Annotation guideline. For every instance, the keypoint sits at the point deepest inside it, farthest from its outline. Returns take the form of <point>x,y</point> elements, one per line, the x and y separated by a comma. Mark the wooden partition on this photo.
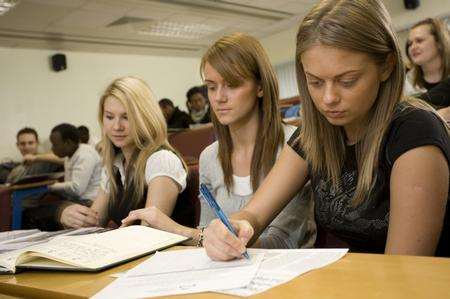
<point>191,142</point>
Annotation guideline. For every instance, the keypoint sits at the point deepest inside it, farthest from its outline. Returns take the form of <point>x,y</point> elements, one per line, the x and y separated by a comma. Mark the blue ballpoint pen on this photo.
<point>218,211</point>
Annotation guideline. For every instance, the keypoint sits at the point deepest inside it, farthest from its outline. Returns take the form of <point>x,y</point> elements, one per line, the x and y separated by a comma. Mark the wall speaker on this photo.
<point>59,62</point>
<point>411,4</point>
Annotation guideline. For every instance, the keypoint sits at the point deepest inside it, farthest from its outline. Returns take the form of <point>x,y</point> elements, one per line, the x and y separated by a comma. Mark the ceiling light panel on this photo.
<point>177,29</point>
<point>7,5</point>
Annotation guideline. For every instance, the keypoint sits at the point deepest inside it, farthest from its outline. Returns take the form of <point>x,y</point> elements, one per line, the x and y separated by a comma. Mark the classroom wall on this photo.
<point>31,94</point>
<point>281,46</point>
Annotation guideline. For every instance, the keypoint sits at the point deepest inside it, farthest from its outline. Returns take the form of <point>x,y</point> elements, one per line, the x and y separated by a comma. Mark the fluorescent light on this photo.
<point>7,5</point>
<point>178,30</point>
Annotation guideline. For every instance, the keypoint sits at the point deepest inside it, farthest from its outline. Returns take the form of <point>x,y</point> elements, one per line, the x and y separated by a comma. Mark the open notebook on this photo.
<point>92,252</point>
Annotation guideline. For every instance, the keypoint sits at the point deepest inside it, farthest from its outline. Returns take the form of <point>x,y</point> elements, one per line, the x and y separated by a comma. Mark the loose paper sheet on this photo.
<point>182,272</point>
<point>280,266</point>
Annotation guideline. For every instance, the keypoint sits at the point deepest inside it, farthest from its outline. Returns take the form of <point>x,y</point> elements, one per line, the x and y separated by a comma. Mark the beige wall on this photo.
<point>281,46</point>
<point>31,94</point>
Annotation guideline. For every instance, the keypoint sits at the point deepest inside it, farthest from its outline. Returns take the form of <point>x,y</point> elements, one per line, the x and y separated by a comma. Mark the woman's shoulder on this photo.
<point>413,127</point>
<point>408,114</point>
<point>210,152</point>
<point>163,156</point>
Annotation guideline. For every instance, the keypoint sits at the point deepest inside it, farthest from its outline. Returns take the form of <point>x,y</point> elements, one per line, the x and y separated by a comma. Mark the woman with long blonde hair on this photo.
<point>378,164</point>
<point>140,167</point>
<point>243,93</point>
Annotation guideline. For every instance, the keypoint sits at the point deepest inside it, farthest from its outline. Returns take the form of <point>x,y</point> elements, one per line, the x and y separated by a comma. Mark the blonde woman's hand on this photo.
<point>151,216</point>
<point>221,245</point>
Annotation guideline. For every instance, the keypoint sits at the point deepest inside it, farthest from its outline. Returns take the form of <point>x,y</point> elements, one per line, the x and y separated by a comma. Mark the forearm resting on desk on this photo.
<point>154,217</point>
<point>47,157</point>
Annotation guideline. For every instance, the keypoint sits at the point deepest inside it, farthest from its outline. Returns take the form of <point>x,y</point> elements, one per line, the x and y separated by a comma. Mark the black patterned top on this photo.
<point>365,226</point>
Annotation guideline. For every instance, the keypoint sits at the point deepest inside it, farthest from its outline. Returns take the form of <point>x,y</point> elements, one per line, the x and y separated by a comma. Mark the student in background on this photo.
<point>243,93</point>
<point>140,167</point>
<point>82,165</point>
<point>175,118</point>
<point>428,49</point>
<point>378,164</point>
<point>28,143</point>
<point>82,170</point>
<point>87,138</point>
<point>429,53</point>
<point>198,105</point>
<point>83,132</point>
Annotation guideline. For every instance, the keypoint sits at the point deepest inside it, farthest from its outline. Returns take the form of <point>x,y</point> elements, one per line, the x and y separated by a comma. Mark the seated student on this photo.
<point>175,118</point>
<point>378,164</point>
<point>428,49</point>
<point>243,91</point>
<point>82,164</point>
<point>27,143</point>
<point>82,171</point>
<point>85,136</point>
<point>198,105</point>
<point>140,167</point>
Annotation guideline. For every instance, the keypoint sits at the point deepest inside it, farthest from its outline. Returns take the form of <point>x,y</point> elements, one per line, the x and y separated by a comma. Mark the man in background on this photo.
<point>82,172</point>
<point>83,133</point>
<point>198,105</point>
<point>175,118</point>
<point>28,143</point>
<point>82,164</point>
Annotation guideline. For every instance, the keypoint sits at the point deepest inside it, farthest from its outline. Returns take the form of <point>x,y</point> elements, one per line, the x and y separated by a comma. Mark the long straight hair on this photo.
<point>148,130</point>
<point>438,29</point>
<point>363,26</point>
<point>238,57</point>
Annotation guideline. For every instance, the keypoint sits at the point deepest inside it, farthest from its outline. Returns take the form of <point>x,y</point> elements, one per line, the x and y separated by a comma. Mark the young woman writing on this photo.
<point>378,164</point>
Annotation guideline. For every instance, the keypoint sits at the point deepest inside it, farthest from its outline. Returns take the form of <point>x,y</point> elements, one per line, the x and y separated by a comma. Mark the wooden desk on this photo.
<point>354,276</point>
<point>32,185</point>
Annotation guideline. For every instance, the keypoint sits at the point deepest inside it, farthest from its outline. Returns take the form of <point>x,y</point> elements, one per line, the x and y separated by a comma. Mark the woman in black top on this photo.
<point>378,164</point>
<point>428,49</point>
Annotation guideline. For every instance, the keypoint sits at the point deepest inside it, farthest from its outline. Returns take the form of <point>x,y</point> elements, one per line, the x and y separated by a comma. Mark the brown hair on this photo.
<point>238,57</point>
<point>440,32</point>
<point>357,25</point>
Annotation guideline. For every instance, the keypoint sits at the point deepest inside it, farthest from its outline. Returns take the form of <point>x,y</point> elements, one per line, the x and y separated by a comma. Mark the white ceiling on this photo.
<point>86,25</point>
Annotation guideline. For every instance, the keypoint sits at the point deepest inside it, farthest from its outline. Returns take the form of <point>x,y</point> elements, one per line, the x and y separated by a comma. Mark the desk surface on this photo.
<point>354,276</point>
<point>32,185</point>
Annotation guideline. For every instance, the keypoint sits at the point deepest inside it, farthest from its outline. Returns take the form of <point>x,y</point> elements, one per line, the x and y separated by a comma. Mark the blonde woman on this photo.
<point>243,93</point>
<point>378,165</point>
<point>140,167</point>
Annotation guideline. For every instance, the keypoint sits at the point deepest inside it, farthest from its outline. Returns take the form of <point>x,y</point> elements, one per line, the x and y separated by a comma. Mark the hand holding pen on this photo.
<point>220,236</point>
